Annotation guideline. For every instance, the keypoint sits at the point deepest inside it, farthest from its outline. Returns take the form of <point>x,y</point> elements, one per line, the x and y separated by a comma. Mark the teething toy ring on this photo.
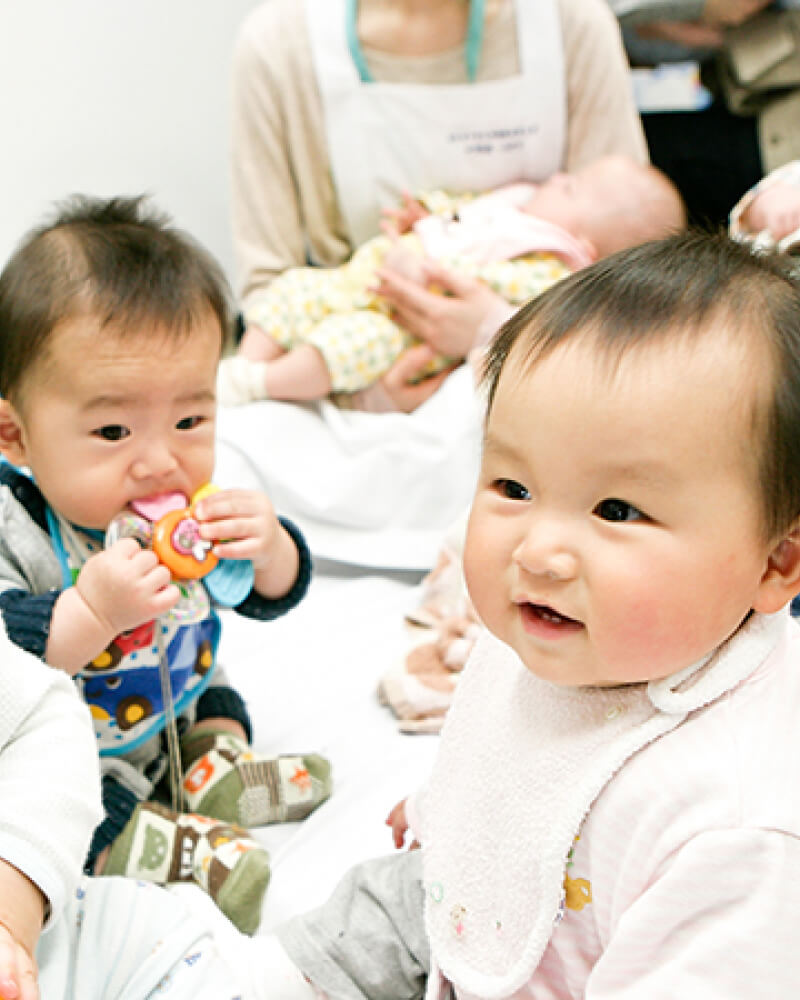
<point>178,545</point>
<point>174,537</point>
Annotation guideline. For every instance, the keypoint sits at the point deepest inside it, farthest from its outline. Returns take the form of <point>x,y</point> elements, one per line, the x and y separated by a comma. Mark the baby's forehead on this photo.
<point>611,354</point>
<point>139,328</point>
<point>611,169</point>
<point>90,337</point>
<point>674,383</point>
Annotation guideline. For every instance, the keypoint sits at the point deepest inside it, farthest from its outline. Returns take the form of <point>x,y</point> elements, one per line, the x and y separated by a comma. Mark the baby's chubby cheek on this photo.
<point>656,638</point>
<point>643,638</point>
<point>476,563</point>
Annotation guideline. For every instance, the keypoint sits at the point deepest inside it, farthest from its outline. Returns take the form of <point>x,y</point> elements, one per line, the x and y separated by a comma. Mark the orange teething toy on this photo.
<point>178,545</point>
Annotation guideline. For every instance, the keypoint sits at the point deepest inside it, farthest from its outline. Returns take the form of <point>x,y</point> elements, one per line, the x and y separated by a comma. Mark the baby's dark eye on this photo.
<point>511,489</point>
<point>112,432</point>
<point>617,510</point>
<point>189,423</point>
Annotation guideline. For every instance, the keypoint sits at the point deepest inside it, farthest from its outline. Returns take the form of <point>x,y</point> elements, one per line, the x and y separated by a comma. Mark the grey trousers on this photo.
<point>368,941</point>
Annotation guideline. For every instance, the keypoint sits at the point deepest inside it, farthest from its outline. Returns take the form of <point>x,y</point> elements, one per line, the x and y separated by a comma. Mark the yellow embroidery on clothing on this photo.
<point>577,892</point>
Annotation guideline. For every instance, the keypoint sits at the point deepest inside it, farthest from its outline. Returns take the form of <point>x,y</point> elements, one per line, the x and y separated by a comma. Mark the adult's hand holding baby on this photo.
<point>400,218</point>
<point>405,384</point>
<point>451,323</point>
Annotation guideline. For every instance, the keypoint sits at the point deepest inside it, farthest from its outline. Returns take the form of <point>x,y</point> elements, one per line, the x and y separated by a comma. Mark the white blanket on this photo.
<point>368,489</point>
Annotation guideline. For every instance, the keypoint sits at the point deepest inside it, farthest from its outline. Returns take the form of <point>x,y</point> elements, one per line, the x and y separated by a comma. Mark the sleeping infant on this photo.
<point>326,330</point>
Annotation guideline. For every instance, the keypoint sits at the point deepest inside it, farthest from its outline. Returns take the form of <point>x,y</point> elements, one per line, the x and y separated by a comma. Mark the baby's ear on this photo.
<point>781,579</point>
<point>11,443</point>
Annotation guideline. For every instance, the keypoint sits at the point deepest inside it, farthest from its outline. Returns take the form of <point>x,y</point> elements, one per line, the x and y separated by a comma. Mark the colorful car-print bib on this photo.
<point>122,686</point>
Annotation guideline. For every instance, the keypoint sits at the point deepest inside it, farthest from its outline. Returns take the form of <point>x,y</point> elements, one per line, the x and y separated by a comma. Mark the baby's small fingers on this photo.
<point>231,503</point>
<point>125,548</point>
<point>144,561</point>
<point>240,548</point>
<point>164,598</point>
<point>225,529</point>
<point>156,577</point>
<point>258,522</point>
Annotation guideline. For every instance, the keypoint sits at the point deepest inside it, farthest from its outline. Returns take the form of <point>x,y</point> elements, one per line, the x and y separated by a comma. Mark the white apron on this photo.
<point>384,138</point>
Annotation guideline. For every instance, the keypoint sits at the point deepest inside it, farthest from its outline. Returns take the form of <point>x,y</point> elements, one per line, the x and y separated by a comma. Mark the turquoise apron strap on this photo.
<point>473,46</point>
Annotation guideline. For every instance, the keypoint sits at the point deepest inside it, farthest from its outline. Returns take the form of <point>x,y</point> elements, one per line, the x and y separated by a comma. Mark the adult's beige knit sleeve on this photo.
<point>284,202</point>
<point>601,114</point>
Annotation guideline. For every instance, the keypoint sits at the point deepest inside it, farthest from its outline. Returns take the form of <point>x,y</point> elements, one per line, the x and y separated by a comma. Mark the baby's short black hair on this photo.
<point>119,260</point>
<point>673,288</point>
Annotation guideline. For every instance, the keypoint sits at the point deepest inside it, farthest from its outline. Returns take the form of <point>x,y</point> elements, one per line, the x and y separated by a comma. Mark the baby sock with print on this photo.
<point>225,779</point>
<point>162,846</point>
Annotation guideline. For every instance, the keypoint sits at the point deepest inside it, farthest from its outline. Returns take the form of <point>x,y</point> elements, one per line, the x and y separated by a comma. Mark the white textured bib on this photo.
<point>520,763</point>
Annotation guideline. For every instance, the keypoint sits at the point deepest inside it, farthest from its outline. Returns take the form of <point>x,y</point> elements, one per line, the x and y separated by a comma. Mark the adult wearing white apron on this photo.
<point>385,138</point>
<point>546,86</point>
<point>328,129</point>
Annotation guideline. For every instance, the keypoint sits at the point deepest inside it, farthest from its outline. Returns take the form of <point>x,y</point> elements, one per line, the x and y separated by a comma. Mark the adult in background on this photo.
<point>340,106</point>
<point>715,154</point>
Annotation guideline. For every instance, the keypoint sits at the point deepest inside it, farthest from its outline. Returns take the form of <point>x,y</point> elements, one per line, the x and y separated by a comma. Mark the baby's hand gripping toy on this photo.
<point>167,525</point>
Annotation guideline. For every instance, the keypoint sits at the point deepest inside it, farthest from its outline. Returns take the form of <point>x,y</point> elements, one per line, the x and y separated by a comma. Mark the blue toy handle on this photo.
<point>230,581</point>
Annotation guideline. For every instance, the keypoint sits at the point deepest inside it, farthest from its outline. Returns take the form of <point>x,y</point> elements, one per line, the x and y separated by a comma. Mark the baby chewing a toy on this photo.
<point>167,525</point>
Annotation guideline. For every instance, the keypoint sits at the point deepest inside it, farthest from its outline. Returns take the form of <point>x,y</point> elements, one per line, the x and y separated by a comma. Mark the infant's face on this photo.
<point>108,419</point>
<point>576,201</point>
<point>615,533</point>
<point>776,209</point>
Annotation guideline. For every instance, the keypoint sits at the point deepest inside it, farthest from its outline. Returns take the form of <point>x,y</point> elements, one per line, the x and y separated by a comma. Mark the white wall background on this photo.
<point>117,97</point>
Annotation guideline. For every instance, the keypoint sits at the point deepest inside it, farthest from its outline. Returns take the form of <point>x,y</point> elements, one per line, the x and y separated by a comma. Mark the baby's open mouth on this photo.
<point>542,617</point>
